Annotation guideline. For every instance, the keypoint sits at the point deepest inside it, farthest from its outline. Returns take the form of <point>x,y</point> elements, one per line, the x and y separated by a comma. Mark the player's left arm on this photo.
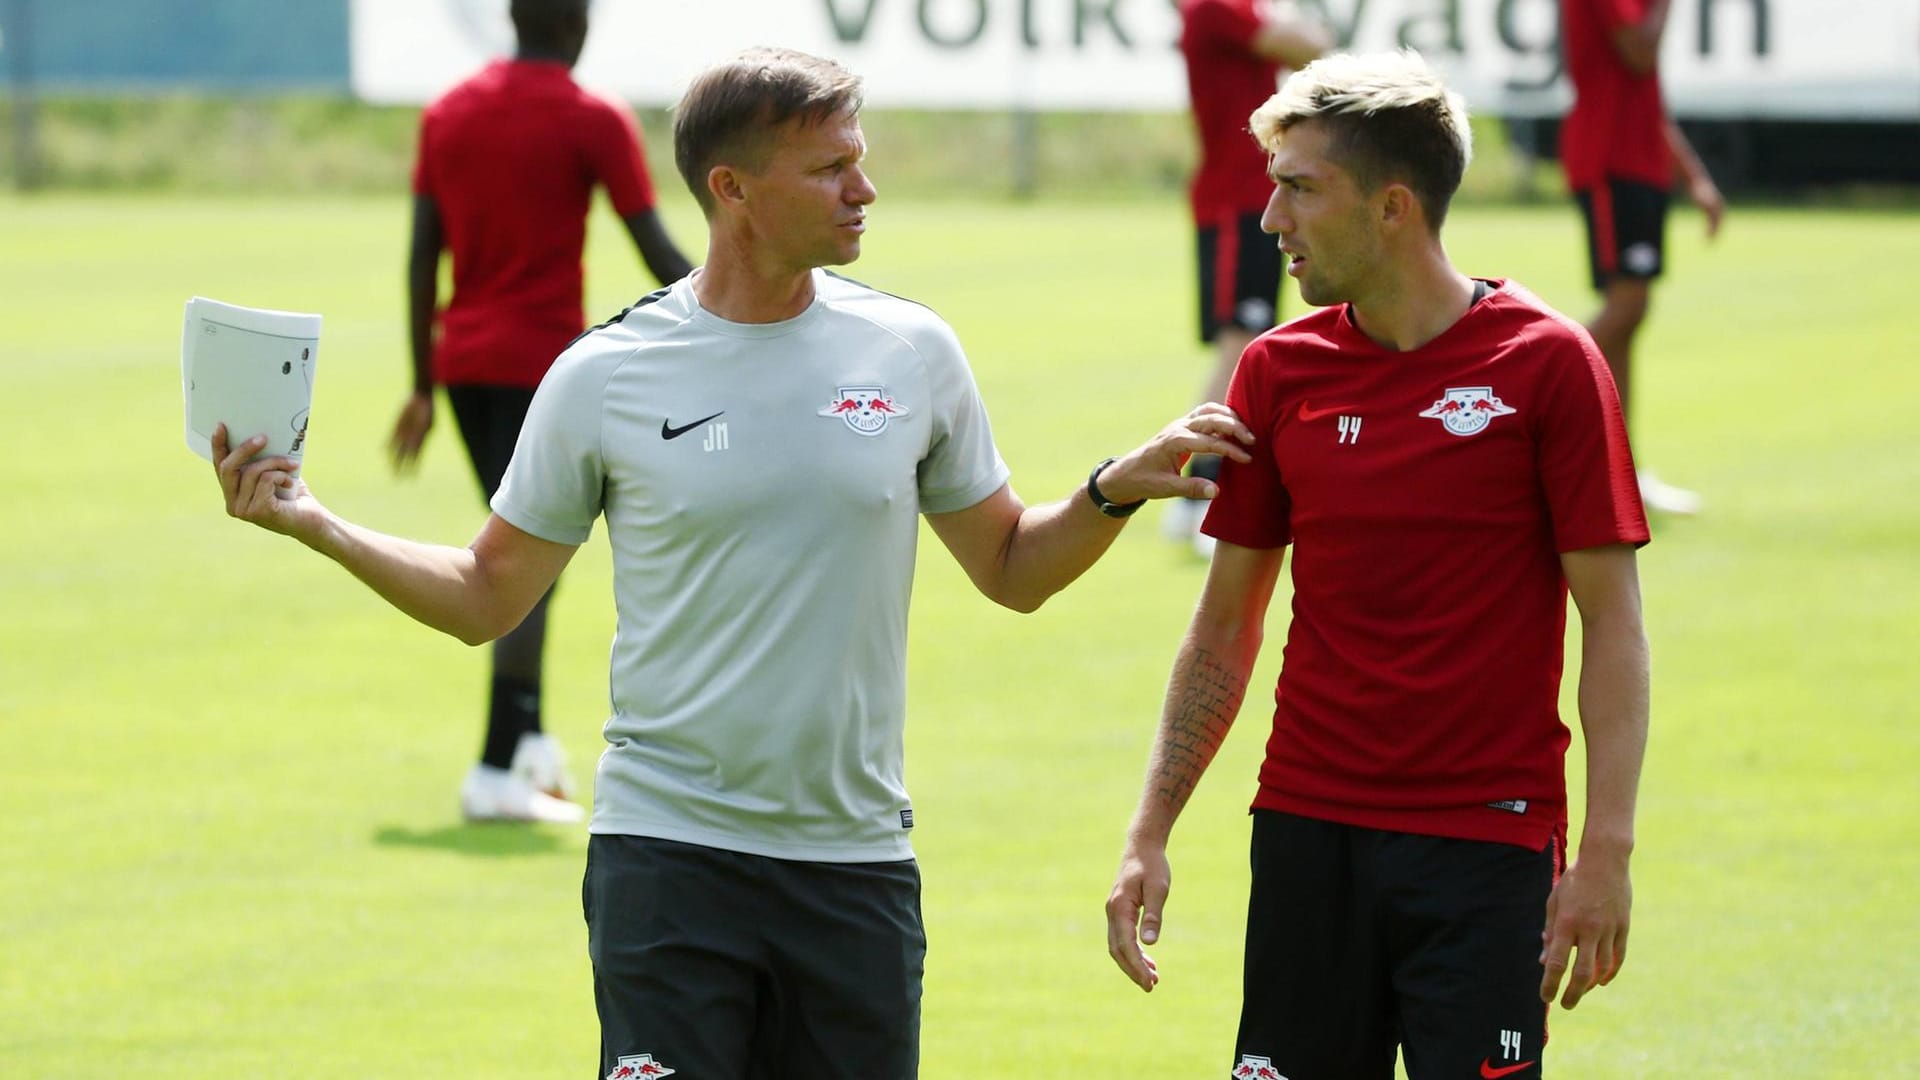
<point>1589,909</point>
<point>1289,36</point>
<point>1019,555</point>
<point>429,239</point>
<point>1699,182</point>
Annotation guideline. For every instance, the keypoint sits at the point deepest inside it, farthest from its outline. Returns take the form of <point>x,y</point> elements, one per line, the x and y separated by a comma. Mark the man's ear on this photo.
<point>1399,207</point>
<point>723,183</point>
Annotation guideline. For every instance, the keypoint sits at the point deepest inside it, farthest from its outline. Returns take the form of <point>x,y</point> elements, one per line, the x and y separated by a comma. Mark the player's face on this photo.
<point>809,205</point>
<point>1325,223</point>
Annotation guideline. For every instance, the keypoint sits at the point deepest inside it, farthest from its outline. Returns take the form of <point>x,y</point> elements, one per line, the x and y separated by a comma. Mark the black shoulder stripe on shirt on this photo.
<point>653,297</point>
<point>882,292</point>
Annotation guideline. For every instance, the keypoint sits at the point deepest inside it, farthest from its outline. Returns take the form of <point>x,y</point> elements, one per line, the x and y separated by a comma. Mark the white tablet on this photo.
<point>250,369</point>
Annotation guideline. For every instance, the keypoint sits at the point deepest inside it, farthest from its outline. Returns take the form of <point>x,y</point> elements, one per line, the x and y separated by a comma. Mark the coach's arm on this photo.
<point>1019,555</point>
<point>475,593</point>
<point>1590,908</point>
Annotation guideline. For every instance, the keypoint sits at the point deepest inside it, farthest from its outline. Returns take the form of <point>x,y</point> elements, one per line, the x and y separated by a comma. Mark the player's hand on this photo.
<point>1707,197</point>
<point>410,431</point>
<point>265,491</point>
<point>1133,911</point>
<point>1153,470</point>
<point>1587,913</point>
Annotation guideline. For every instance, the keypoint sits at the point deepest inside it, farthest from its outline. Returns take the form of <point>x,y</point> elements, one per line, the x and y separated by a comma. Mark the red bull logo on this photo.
<point>1256,1068</point>
<point>639,1067</point>
<point>1467,410</point>
<point>866,409</point>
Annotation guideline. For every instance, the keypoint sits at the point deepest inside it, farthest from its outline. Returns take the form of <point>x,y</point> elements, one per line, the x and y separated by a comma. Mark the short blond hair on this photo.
<point>1390,116</point>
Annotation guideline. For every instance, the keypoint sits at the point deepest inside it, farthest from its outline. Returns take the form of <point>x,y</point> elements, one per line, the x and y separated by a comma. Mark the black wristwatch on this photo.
<point>1111,509</point>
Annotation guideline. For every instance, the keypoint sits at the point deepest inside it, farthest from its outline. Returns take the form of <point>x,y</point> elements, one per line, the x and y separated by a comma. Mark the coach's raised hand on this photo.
<point>265,491</point>
<point>1152,471</point>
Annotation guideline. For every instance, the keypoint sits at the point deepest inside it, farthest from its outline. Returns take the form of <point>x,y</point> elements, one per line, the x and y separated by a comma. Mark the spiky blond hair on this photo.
<point>1390,117</point>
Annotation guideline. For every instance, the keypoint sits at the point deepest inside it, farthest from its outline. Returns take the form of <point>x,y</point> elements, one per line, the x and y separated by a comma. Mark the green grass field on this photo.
<point>227,772</point>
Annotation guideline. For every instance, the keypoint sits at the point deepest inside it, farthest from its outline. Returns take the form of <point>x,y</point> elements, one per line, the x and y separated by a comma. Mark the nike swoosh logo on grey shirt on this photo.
<point>668,431</point>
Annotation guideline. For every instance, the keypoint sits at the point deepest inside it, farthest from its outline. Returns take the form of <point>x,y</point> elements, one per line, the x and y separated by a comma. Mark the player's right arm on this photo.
<point>1209,682</point>
<point>657,249</point>
<point>475,593</point>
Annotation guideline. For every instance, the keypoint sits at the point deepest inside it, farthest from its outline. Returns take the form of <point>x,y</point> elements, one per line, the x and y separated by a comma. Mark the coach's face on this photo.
<point>808,206</point>
<point>1325,223</point>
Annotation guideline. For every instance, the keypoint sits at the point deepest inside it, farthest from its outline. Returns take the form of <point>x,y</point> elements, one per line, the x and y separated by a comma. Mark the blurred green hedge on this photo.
<point>293,144</point>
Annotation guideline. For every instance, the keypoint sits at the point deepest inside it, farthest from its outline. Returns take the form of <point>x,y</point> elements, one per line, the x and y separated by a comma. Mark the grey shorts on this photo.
<point>717,964</point>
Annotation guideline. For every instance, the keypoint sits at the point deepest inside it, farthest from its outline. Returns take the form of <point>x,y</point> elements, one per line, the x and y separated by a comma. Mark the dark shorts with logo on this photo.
<point>1362,942</point>
<point>490,418</point>
<point>1626,230</point>
<point>740,967</point>
<point>1239,276</point>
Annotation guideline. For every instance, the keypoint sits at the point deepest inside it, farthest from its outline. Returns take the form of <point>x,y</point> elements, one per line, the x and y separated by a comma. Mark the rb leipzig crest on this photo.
<point>1467,410</point>
<point>1256,1068</point>
<point>639,1067</point>
<point>866,409</point>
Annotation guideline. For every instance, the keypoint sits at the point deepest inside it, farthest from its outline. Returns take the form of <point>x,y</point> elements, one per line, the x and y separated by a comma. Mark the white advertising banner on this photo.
<point>1824,59</point>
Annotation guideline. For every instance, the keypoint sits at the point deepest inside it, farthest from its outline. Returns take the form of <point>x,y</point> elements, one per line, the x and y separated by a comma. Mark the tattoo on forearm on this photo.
<point>1206,695</point>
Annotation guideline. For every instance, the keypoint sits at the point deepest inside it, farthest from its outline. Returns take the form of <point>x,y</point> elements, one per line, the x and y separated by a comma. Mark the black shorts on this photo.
<point>1239,276</point>
<point>1626,230</point>
<point>490,418</point>
<point>1361,942</point>
<point>722,965</point>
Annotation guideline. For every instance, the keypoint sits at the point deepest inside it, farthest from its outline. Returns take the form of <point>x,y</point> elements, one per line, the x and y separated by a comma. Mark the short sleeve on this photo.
<point>619,161</point>
<point>1218,24</point>
<point>554,486</point>
<point>1253,508</point>
<point>1614,14</point>
<point>962,465</point>
<point>422,174</point>
<point>1585,463</point>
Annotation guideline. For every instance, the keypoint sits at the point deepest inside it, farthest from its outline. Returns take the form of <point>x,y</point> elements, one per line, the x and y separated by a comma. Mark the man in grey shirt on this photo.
<point>761,438</point>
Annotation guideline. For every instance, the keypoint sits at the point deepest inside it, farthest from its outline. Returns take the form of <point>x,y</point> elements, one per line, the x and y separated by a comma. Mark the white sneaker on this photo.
<point>540,760</point>
<point>490,794</point>
<point>1180,522</point>
<point>1664,498</point>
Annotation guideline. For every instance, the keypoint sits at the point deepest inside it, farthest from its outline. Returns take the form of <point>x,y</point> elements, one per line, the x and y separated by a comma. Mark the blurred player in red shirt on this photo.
<point>1235,52</point>
<point>505,175</point>
<point>1620,150</point>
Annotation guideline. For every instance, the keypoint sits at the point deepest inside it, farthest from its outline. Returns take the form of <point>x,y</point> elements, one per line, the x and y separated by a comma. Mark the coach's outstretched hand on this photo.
<point>1152,471</point>
<point>254,489</point>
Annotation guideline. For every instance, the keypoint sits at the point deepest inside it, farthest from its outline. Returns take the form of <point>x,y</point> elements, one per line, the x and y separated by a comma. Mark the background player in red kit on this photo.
<point>1235,51</point>
<point>1448,459</point>
<point>505,176</point>
<point>1620,150</point>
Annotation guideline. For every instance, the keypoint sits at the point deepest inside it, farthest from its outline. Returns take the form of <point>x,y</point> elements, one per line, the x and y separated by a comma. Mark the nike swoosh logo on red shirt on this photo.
<point>1490,1073</point>
<point>1315,414</point>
